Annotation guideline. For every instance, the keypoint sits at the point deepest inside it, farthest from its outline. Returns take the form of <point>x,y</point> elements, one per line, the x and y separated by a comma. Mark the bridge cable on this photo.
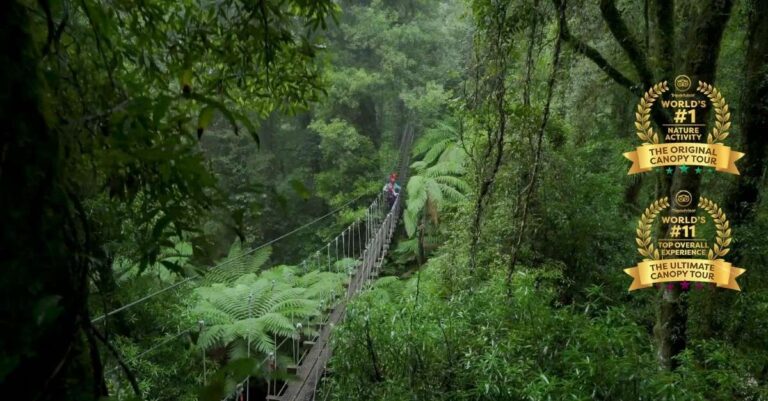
<point>228,261</point>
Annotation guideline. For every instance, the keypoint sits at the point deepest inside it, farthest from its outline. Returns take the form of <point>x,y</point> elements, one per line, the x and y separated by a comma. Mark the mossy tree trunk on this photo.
<point>700,60</point>
<point>45,342</point>
<point>754,116</point>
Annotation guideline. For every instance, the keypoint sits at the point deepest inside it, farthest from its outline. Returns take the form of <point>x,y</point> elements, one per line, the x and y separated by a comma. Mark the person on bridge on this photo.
<point>392,189</point>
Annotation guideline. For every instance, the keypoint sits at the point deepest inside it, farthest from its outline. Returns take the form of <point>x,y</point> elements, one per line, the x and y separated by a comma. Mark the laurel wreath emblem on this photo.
<point>722,113</point>
<point>723,235</point>
<point>649,136</point>
<point>644,225</point>
<point>643,114</point>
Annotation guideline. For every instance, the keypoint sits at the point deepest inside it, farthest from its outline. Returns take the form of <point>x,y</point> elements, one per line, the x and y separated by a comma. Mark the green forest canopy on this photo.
<point>147,141</point>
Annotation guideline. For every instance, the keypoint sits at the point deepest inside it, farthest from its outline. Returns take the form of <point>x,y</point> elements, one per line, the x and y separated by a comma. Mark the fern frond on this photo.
<point>237,263</point>
<point>386,281</point>
<point>276,323</point>
<point>417,194</point>
<point>437,150</point>
<point>410,218</point>
<point>283,273</point>
<point>453,182</point>
<point>452,194</point>
<point>453,154</point>
<point>434,191</point>
<point>406,247</point>
<point>343,265</point>
<point>211,315</point>
<point>262,306</point>
<point>430,138</point>
<point>447,168</point>
<point>419,166</point>
<point>309,278</point>
<point>297,308</point>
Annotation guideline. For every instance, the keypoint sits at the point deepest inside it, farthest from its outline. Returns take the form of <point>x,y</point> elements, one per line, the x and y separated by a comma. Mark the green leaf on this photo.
<point>300,189</point>
<point>185,81</point>
<point>410,218</point>
<point>162,104</point>
<point>205,118</point>
<point>161,224</point>
<point>231,116</point>
<point>172,266</point>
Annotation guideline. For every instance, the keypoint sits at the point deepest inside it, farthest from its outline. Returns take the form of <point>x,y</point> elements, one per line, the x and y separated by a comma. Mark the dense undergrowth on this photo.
<point>176,175</point>
<point>406,340</point>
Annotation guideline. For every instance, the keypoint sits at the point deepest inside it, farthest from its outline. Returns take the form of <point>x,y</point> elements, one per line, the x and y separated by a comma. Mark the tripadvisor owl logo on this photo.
<point>690,248</point>
<point>684,138</point>
<point>682,83</point>
<point>683,198</point>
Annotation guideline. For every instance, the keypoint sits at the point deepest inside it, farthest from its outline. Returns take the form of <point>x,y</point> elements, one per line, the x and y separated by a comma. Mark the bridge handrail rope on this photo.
<point>373,257</point>
<point>380,232</point>
<point>371,260</point>
<point>154,347</point>
<point>372,220</point>
<point>380,223</point>
<point>201,324</point>
<point>226,262</point>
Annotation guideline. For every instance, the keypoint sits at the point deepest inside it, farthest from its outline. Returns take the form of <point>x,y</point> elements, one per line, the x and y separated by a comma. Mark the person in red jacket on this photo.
<point>392,189</point>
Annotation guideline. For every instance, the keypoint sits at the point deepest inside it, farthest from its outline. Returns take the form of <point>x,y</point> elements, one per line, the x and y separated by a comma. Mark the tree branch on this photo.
<point>529,55</point>
<point>500,51</point>
<point>665,34</point>
<point>591,53</point>
<point>372,352</point>
<point>619,29</point>
<point>530,188</point>
<point>128,374</point>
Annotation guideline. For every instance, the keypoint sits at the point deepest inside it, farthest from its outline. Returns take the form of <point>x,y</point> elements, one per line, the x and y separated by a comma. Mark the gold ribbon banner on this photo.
<point>720,272</point>
<point>716,155</point>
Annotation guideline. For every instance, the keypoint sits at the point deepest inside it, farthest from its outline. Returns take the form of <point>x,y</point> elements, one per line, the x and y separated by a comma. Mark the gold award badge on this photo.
<point>683,136</point>
<point>678,254</point>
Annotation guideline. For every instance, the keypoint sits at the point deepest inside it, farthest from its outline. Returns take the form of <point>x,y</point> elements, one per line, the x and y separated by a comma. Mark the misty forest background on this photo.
<point>144,142</point>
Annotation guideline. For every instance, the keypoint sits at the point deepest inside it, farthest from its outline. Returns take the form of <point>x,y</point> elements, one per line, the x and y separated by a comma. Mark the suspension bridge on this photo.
<point>367,242</point>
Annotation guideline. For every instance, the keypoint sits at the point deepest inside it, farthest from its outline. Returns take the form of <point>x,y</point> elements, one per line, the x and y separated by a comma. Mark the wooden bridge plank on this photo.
<point>308,373</point>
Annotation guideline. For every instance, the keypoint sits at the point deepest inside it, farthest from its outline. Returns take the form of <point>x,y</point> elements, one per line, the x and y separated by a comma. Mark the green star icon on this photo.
<point>711,170</point>
<point>698,170</point>
<point>670,170</point>
<point>684,169</point>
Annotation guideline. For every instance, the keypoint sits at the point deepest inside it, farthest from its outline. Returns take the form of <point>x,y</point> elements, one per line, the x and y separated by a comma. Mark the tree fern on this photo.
<point>261,307</point>
<point>439,133</point>
<point>171,262</point>
<point>238,262</point>
<point>437,181</point>
<point>455,183</point>
<point>387,289</point>
<point>281,273</point>
<point>436,186</point>
<point>345,265</point>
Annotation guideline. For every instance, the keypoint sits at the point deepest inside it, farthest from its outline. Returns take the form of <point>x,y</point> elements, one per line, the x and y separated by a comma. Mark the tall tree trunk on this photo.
<point>44,352</point>
<point>421,253</point>
<point>665,36</point>
<point>495,147</point>
<point>529,54</point>
<point>700,62</point>
<point>530,188</point>
<point>754,117</point>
